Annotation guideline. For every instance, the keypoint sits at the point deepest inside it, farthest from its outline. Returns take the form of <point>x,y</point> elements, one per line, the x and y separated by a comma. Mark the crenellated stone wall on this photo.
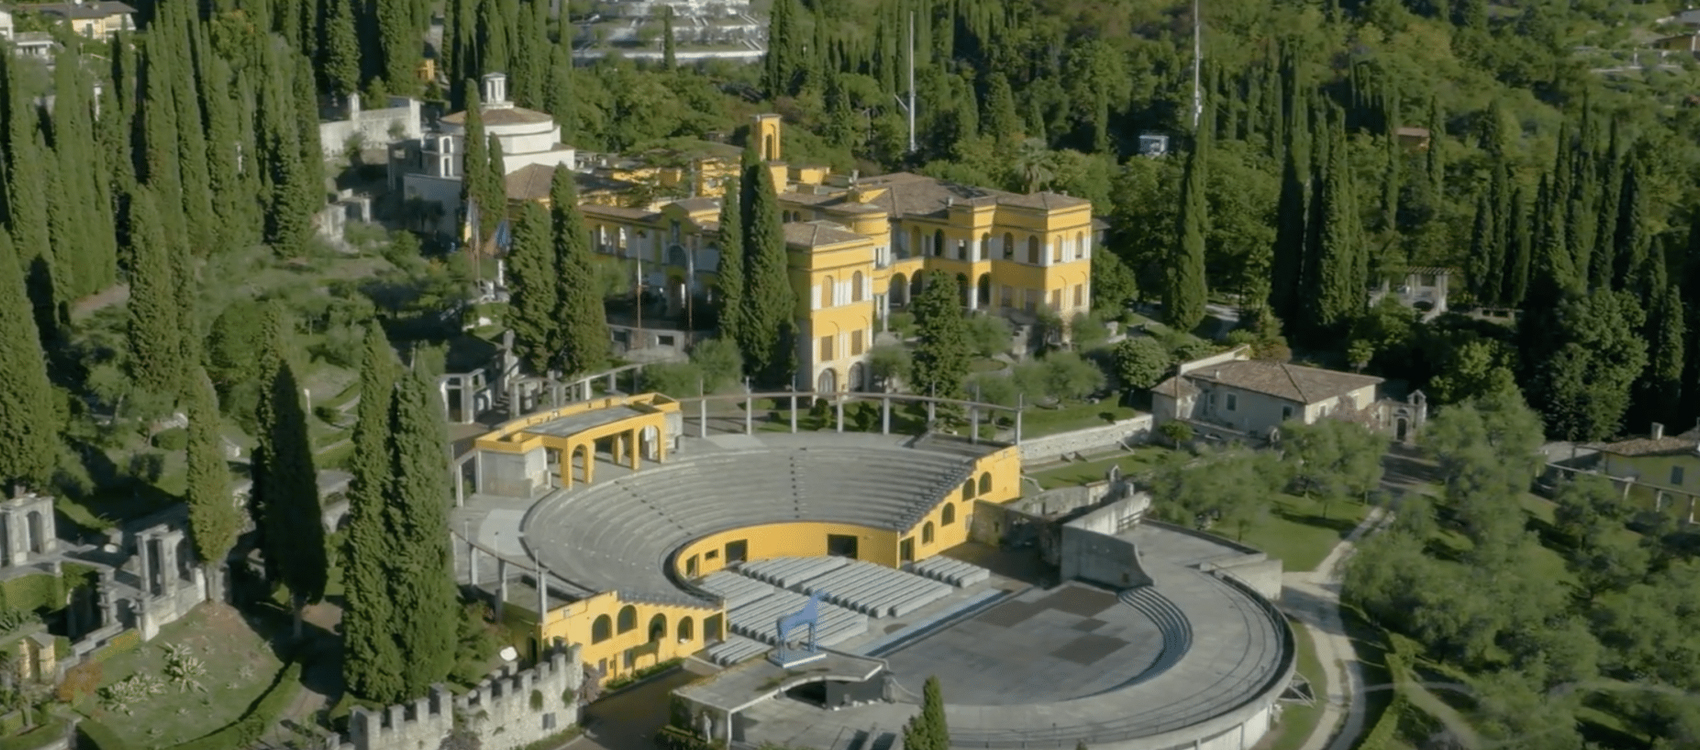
<point>509,709</point>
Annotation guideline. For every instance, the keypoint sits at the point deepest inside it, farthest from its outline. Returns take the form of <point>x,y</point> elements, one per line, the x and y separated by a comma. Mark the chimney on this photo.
<point>1658,431</point>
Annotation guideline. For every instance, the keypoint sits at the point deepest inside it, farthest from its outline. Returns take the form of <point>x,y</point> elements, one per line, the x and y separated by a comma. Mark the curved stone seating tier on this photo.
<point>949,570</point>
<point>865,587</point>
<point>1171,623</point>
<point>736,649</point>
<point>787,571</point>
<point>619,533</point>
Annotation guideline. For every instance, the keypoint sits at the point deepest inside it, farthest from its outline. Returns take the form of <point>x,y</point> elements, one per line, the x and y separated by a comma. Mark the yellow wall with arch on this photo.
<point>622,652</point>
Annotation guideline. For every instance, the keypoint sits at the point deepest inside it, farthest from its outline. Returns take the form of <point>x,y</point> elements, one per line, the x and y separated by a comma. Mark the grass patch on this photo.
<point>1298,721</point>
<point>1039,422</point>
<point>240,667</point>
<point>1140,460</point>
<point>1299,530</point>
<point>987,365</point>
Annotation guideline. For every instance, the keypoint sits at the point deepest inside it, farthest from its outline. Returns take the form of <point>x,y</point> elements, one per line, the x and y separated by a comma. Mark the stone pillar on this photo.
<point>1018,427</point>
<point>107,607</point>
<point>168,562</point>
<point>702,413</point>
<point>144,557</point>
<point>749,415</point>
<point>932,413</point>
<point>501,587</point>
<point>632,448</point>
<point>885,416</point>
<point>793,413</point>
<point>471,564</point>
<point>974,414</point>
<point>610,384</point>
<point>838,406</point>
<point>145,620</point>
<point>443,392</point>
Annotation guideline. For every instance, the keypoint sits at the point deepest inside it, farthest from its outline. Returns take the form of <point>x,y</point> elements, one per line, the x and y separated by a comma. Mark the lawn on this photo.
<point>1297,719</point>
<point>1140,460</point>
<point>1300,531</point>
<point>239,664</point>
<point>1039,421</point>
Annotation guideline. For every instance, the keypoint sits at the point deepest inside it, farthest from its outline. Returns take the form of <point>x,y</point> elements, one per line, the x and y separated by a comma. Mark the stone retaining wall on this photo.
<point>1092,439</point>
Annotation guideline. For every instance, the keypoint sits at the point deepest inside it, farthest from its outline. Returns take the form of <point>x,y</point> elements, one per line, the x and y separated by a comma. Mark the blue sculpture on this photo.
<point>784,655</point>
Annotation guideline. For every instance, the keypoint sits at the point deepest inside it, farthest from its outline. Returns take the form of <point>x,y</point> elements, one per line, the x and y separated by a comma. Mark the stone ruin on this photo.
<point>510,709</point>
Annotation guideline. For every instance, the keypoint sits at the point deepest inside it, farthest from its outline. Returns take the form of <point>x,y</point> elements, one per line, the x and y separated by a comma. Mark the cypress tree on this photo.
<point>1340,272</point>
<point>1659,392</point>
<point>769,302</point>
<point>669,60</point>
<point>95,252</point>
<point>312,197</point>
<point>730,272</point>
<point>29,429</point>
<point>200,225</point>
<point>780,63</point>
<point>372,656</point>
<point>233,203</point>
<point>342,47</point>
<point>496,185</point>
<point>475,167</point>
<point>493,29</point>
<point>1435,158</point>
<point>417,511</point>
<point>583,322</point>
<point>214,521</point>
<point>1001,121</point>
<point>942,353</point>
<point>1631,232</point>
<point>1515,279</point>
<point>26,200</point>
<point>560,98</point>
<point>161,159</point>
<point>1287,267</point>
<point>155,323</point>
<point>398,42</point>
<point>286,489</point>
<point>1186,292</point>
<point>1689,279</point>
<point>532,276</point>
<point>532,55</point>
<point>1603,265</point>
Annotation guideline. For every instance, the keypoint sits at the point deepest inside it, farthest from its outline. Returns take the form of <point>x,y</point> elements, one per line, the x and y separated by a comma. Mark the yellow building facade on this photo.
<point>861,248</point>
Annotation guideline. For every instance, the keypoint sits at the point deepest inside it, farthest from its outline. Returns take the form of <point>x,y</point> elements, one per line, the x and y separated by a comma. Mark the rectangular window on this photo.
<point>1286,413</point>
<point>1079,295</point>
<point>826,348</point>
<point>1031,301</point>
<point>712,554</point>
<point>1056,300</point>
<point>1233,402</point>
<point>737,552</point>
<point>1676,476</point>
<point>1006,297</point>
<point>691,566</point>
<point>855,343</point>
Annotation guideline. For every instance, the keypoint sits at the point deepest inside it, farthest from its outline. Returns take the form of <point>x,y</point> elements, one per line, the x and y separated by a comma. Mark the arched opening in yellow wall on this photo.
<point>1033,250</point>
<point>1008,246</point>
<point>927,533</point>
<point>657,628</point>
<point>687,629</point>
<point>581,458</point>
<point>985,482</point>
<point>938,242</point>
<point>968,490</point>
<point>985,247</point>
<point>628,619</point>
<point>601,630</point>
<point>948,515</point>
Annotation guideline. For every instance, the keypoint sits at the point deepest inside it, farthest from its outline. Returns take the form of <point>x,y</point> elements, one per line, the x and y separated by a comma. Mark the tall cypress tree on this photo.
<point>26,200</point>
<point>1658,395</point>
<point>342,46</point>
<point>1340,271</point>
<point>942,354</point>
<point>372,657</point>
<point>1689,277</point>
<point>234,204</point>
<point>398,40</point>
<point>29,429</point>
<point>532,277</point>
<point>730,272</point>
<point>781,62</point>
<point>213,519</point>
<point>560,100</point>
<point>669,56</point>
<point>1001,121</point>
<point>1515,279</point>
<point>1186,291</point>
<point>475,168</point>
<point>1287,268</point>
<point>1631,232</point>
<point>161,140</point>
<point>198,216</point>
<point>155,322</point>
<point>583,322</point>
<point>769,302</point>
<point>286,488</point>
<point>422,580</point>
<point>1603,265</point>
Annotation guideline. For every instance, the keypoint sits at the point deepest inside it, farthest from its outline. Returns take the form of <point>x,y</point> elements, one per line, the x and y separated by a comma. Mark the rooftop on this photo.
<point>1305,385</point>
<point>496,115</point>
<point>96,9</point>
<point>909,194</point>
<point>818,233</point>
<point>531,182</point>
<point>1687,442</point>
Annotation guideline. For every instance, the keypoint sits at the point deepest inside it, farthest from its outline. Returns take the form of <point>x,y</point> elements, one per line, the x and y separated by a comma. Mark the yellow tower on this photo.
<point>767,136</point>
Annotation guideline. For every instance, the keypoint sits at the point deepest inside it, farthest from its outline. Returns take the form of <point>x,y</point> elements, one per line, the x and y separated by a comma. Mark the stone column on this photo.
<point>974,414</point>
<point>885,416</point>
<point>749,415</point>
<point>144,557</point>
<point>932,413</point>
<point>838,406</point>
<point>471,564</point>
<point>633,448</point>
<point>542,596</point>
<point>501,587</point>
<point>793,413</point>
<point>168,561</point>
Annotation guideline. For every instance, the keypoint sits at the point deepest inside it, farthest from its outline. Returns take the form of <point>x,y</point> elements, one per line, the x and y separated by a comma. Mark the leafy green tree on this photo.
<point>1187,289</point>
<point>719,361</point>
<point>988,335</point>
<point>942,354</point>
<point>155,333</point>
<point>213,518</point>
<point>583,323</point>
<point>1488,450</point>
<point>372,658</point>
<point>1113,284</point>
<point>1227,486</point>
<point>729,274</point>
<point>29,429</point>
<point>532,279</point>
<point>1583,386</point>
<point>769,301</point>
<point>417,513</point>
<point>1141,362</point>
<point>888,363</point>
<point>286,488</point>
<point>1068,375</point>
<point>1333,459</point>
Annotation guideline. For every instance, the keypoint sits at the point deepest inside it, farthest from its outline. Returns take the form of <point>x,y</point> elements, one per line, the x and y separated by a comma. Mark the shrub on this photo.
<point>1069,376</point>
<point>988,335</point>
<point>720,363</point>
<point>1088,330</point>
<point>903,323</point>
<point>888,362</point>
<point>1177,433</point>
<point>1140,362</point>
<point>174,439</point>
<point>675,379</point>
<point>79,681</point>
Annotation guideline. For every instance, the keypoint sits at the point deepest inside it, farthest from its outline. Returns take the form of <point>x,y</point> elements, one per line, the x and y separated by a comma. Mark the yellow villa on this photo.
<point>860,248</point>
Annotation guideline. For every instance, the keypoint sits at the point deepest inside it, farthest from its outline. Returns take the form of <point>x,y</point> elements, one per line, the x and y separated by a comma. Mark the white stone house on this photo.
<point>1233,392</point>
<point>429,170</point>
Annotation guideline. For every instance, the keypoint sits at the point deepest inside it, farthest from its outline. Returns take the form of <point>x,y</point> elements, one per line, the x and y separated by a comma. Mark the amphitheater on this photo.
<point>624,527</point>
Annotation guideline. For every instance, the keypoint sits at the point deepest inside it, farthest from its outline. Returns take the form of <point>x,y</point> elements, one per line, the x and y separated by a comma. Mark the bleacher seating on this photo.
<point>865,587</point>
<point>1171,622</point>
<point>736,649</point>
<point>753,609</point>
<point>949,570</point>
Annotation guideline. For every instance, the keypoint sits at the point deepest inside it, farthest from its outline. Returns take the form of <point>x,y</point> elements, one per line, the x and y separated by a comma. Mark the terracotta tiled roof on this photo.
<point>503,116</point>
<point>531,182</point>
<point>618,212</point>
<point>1648,446</point>
<point>1176,387</point>
<point>693,205</point>
<point>1297,383</point>
<point>909,194</point>
<point>817,233</point>
<point>97,9</point>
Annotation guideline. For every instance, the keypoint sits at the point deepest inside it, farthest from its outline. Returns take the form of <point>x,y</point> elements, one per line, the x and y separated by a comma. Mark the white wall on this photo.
<point>1107,437</point>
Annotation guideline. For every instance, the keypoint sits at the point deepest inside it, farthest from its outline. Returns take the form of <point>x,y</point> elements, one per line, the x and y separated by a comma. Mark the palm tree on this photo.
<point>1036,164</point>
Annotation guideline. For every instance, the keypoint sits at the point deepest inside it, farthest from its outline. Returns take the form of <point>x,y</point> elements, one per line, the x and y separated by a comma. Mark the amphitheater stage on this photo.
<point>1037,647</point>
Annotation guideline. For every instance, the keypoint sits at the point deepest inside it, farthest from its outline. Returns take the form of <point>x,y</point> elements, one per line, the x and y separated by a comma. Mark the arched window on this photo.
<point>657,628</point>
<point>1033,250</point>
<point>927,533</point>
<point>1057,252</point>
<point>628,619</point>
<point>915,242</point>
<point>985,247</point>
<point>1079,245</point>
<point>948,515</point>
<point>856,287</point>
<point>985,483</point>
<point>687,630</point>
<point>828,288</point>
<point>601,630</point>
<point>968,490</point>
<point>938,242</point>
<point>1008,246</point>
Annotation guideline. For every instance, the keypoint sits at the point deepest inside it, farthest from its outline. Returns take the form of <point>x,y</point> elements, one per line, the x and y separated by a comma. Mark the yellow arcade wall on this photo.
<point>620,652</point>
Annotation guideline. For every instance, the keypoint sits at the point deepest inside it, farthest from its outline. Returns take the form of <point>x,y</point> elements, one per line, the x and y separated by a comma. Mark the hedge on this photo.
<point>47,732</point>
<point>33,592</point>
<point>263,715</point>
<point>121,644</point>
<point>96,736</point>
<point>1386,728</point>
